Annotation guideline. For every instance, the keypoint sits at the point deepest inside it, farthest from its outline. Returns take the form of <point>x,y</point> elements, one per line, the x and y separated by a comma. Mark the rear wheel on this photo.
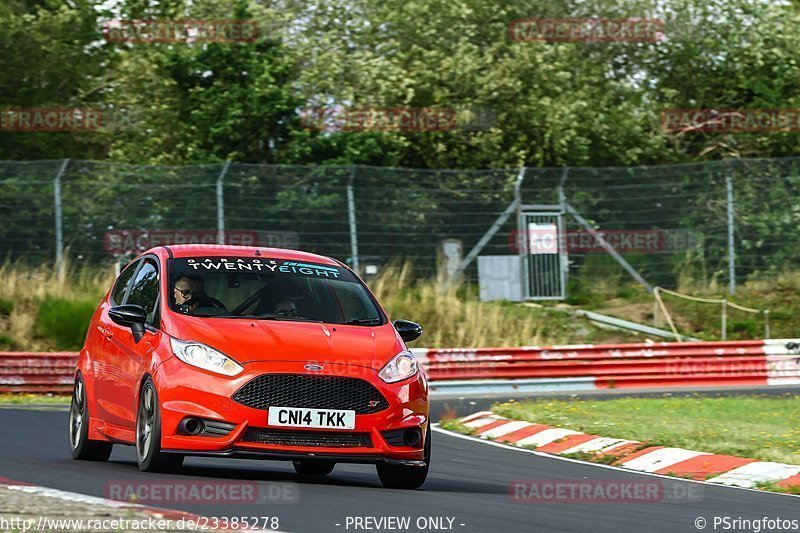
<point>148,434</point>
<point>79,444</point>
<point>407,477</point>
<point>312,467</point>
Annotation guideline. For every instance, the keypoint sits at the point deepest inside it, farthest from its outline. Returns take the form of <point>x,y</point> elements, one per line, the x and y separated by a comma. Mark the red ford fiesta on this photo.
<point>229,351</point>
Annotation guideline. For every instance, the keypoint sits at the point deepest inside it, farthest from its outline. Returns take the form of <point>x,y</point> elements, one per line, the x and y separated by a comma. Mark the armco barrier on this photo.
<point>529,368</point>
<point>771,362</point>
<point>37,372</point>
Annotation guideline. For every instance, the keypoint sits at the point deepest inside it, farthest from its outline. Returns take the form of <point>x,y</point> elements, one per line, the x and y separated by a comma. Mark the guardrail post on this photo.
<point>766,324</point>
<point>58,215</point>
<point>221,205</point>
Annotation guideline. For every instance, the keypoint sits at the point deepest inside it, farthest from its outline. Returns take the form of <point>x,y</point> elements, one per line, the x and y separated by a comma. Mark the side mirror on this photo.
<point>409,331</point>
<point>130,316</point>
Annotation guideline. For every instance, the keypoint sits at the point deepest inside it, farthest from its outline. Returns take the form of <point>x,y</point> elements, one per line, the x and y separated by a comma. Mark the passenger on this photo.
<point>285,308</point>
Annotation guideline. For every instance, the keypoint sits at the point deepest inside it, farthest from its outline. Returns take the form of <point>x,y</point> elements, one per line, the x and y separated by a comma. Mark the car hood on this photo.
<point>265,340</point>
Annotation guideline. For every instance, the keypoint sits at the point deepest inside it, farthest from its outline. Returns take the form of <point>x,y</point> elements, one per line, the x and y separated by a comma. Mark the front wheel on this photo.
<point>311,467</point>
<point>407,477</point>
<point>79,444</point>
<point>148,434</point>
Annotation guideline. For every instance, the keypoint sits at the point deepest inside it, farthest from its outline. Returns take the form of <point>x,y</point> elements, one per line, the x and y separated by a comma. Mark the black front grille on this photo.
<point>330,439</point>
<point>316,392</point>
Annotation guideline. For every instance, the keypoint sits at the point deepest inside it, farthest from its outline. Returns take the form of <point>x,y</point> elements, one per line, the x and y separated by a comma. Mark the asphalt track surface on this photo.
<point>469,481</point>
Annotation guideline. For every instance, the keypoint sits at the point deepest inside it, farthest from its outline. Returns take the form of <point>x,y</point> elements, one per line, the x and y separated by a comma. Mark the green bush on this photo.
<point>6,342</point>
<point>750,328</point>
<point>6,307</point>
<point>64,321</point>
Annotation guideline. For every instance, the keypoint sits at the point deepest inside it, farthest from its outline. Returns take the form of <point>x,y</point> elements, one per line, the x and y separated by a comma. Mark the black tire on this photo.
<point>407,477</point>
<point>148,434</point>
<point>312,467</point>
<point>80,446</point>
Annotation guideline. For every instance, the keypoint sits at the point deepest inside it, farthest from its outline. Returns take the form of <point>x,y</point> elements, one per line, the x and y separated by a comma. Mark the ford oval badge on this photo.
<point>312,366</point>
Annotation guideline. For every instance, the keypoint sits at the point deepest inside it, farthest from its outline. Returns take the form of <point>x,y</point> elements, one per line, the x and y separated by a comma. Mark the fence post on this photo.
<point>766,324</point>
<point>221,205</point>
<point>731,243</point>
<point>522,244</point>
<point>563,250</point>
<point>58,216</point>
<point>351,216</point>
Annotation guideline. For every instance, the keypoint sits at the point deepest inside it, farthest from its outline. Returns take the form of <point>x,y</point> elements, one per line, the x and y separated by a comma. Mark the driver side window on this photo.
<point>144,290</point>
<point>122,284</point>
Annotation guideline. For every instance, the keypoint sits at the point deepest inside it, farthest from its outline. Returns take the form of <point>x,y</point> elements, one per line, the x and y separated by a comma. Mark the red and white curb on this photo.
<point>635,455</point>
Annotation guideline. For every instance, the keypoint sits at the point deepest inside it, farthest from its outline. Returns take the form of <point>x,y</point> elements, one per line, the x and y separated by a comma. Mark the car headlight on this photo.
<point>401,366</point>
<point>205,357</point>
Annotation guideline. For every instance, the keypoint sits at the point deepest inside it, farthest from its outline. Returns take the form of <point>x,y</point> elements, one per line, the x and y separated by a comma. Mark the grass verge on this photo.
<point>759,427</point>
<point>765,428</point>
<point>40,399</point>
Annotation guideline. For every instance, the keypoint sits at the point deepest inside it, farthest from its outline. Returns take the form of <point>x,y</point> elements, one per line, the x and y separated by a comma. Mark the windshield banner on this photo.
<point>257,264</point>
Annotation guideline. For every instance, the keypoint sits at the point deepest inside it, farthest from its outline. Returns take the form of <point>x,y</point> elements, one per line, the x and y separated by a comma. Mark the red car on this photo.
<point>228,351</point>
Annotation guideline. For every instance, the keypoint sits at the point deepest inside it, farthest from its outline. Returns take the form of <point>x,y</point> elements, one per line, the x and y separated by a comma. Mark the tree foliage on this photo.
<point>553,104</point>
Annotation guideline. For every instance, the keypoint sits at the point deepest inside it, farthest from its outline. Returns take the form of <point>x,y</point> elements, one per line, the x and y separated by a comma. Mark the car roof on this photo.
<point>216,250</point>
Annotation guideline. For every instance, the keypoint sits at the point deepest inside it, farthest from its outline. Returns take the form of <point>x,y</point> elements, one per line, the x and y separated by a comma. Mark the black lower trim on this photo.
<point>289,456</point>
<point>290,437</point>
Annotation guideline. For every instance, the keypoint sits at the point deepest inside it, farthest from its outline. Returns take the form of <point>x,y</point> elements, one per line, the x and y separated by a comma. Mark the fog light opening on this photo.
<point>412,438</point>
<point>192,426</point>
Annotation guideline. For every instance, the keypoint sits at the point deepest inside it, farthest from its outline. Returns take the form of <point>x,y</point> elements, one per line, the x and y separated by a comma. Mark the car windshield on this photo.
<point>270,289</point>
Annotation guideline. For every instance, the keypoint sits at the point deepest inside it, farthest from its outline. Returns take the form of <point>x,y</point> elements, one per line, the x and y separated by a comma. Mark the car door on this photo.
<point>127,355</point>
<point>104,372</point>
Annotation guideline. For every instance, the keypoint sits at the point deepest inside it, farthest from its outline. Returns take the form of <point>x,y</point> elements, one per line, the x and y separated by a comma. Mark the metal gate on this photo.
<point>545,260</point>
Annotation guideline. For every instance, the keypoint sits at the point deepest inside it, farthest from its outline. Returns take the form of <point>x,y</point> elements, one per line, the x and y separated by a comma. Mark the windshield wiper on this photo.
<point>363,321</point>
<point>269,316</point>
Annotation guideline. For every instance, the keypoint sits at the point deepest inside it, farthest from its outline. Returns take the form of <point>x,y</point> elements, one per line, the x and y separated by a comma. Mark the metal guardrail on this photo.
<point>770,362</point>
<point>528,368</point>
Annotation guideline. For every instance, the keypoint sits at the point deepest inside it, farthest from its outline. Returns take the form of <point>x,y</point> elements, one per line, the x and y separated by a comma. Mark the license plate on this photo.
<point>299,417</point>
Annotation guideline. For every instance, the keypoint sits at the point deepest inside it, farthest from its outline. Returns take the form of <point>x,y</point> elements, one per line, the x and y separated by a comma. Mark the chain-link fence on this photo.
<point>700,221</point>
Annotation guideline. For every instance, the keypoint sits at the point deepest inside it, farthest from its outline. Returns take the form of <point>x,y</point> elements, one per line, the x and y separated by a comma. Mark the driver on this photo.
<point>190,294</point>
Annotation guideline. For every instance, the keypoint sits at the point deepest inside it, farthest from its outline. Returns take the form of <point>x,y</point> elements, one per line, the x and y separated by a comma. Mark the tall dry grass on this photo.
<point>451,317</point>
<point>26,287</point>
<point>454,316</point>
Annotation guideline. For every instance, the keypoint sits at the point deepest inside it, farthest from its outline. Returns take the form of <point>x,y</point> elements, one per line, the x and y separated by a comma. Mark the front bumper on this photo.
<point>185,391</point>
